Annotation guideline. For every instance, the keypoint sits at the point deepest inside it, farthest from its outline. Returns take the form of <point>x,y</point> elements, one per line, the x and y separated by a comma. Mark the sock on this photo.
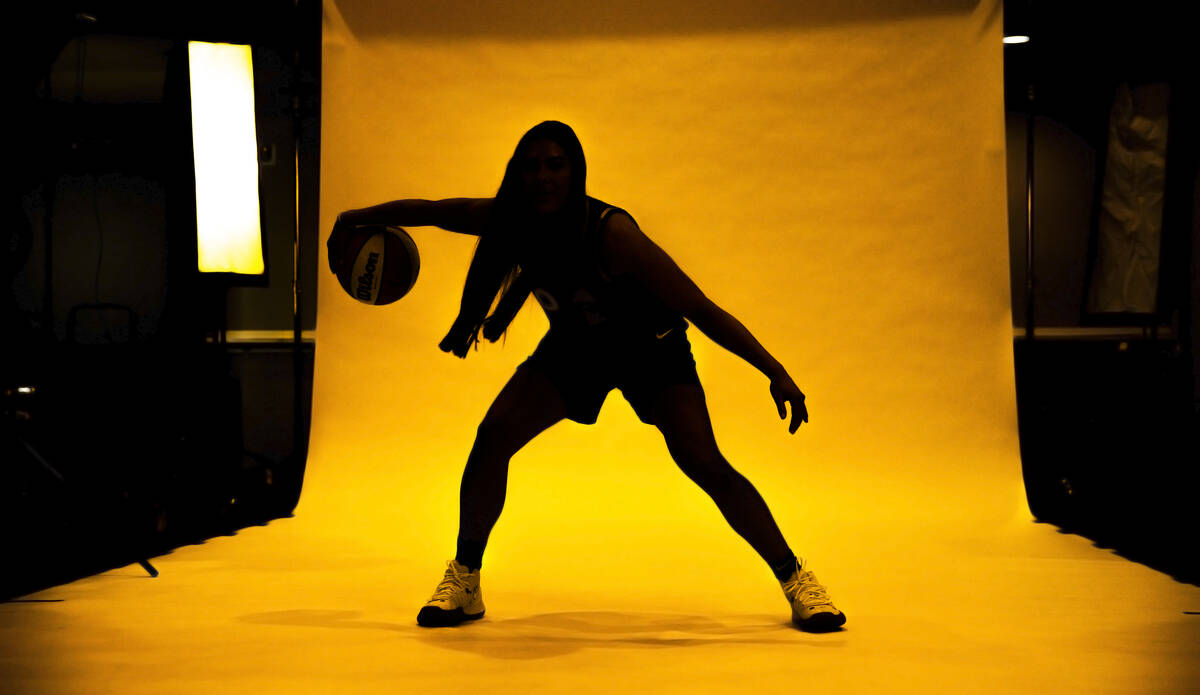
<point>470,553</point>
<point>784,569</point>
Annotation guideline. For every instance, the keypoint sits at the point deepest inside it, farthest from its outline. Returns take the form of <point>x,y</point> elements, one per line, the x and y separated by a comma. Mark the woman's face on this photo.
<point>546,176</point>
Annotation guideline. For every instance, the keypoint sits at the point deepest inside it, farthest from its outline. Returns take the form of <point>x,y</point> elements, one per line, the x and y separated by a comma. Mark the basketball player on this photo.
<point>619,309</point>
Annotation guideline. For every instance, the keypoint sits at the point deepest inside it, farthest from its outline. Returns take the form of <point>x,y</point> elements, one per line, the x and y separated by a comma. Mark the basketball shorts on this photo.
<point>641,367</point>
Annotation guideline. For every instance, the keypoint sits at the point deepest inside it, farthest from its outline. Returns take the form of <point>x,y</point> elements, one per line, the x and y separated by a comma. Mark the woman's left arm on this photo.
<point>629,251</point>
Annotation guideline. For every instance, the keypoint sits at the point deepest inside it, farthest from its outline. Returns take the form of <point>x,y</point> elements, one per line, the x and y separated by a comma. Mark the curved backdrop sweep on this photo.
<point>834,179</point>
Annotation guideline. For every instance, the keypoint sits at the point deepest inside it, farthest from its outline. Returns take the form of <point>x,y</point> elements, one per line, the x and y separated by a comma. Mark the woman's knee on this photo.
<point>501,435</point>
<point>491,435</point>
<point>708,469</point>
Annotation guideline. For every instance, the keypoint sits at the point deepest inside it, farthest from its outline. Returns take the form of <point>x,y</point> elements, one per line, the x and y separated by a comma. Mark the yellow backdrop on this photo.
<point>838,188</point>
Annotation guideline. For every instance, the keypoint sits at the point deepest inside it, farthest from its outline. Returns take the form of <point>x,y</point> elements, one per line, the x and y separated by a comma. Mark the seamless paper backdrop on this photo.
<point>839,188</point>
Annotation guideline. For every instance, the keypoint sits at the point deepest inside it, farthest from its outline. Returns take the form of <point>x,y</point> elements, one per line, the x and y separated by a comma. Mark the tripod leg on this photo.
<point>148,567</point>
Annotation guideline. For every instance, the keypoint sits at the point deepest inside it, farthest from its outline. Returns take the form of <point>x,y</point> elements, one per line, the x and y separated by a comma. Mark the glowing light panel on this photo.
<point>229,233</point>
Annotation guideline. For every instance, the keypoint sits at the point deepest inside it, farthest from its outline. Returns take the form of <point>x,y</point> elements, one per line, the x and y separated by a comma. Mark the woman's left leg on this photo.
<point>681,414</point>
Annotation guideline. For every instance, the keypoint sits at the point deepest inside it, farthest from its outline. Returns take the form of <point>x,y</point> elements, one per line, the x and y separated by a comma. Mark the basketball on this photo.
<point>380,264</point>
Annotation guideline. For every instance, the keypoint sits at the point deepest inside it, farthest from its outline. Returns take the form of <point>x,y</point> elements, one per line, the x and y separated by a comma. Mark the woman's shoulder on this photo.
<point>616,235</point>
<point>605,212</point>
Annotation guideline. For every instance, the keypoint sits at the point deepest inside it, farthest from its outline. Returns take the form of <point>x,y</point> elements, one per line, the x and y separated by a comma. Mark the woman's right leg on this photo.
<point>527,405</point>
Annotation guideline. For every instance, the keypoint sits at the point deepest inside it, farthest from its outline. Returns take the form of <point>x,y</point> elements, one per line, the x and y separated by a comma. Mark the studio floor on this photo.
<point>306,605</point>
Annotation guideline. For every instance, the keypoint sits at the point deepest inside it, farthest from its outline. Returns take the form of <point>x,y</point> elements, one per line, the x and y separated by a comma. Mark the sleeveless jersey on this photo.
<point>581,298</point>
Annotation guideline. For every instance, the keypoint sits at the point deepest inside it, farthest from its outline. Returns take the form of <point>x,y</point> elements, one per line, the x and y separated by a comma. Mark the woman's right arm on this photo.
<point>462,215</point>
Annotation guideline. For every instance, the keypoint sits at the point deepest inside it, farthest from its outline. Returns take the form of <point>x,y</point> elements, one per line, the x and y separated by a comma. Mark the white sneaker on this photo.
<point>456,599</point>
<point>812,609</point>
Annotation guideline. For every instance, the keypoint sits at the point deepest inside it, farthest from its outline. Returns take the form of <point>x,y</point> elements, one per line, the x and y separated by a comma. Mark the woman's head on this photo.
<point>547,173</point>
<point>541,200</point>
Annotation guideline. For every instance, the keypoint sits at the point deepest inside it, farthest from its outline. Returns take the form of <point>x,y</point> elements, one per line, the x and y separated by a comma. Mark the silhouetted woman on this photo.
<point>618,308</point>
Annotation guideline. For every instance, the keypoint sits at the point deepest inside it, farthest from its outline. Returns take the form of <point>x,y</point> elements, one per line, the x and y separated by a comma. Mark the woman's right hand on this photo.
<point>337,242</point>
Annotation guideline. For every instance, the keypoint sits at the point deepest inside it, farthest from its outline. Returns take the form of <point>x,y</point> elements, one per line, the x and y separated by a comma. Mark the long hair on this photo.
<point>506,240</point>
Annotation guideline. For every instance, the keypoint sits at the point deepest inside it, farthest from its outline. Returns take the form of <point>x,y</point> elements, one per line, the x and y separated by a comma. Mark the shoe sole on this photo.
<point>431,616</point>
<point>821,622</point>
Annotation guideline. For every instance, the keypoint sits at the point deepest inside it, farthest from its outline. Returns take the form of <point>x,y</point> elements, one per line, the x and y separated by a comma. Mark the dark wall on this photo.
<point>1064,175</point>
<point>1079,54</point>
<point>128,424</point>
<point>1099,396</point>
<point>1195,285</point>
<point>104,125</point>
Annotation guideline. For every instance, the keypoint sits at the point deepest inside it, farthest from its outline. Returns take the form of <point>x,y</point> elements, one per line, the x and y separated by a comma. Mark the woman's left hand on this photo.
<point>783,389</point>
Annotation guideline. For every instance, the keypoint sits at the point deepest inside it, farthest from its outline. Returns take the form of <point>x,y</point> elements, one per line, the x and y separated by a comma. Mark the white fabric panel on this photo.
<point>1125,275</point>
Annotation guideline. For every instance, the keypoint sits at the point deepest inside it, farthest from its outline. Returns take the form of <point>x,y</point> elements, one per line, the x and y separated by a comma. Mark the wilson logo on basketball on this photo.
<point>366,281</point>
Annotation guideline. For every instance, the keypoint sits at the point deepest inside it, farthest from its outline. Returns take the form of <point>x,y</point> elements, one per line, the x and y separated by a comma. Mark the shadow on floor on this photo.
<point>555,634</point>
<point>1165,547</point>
